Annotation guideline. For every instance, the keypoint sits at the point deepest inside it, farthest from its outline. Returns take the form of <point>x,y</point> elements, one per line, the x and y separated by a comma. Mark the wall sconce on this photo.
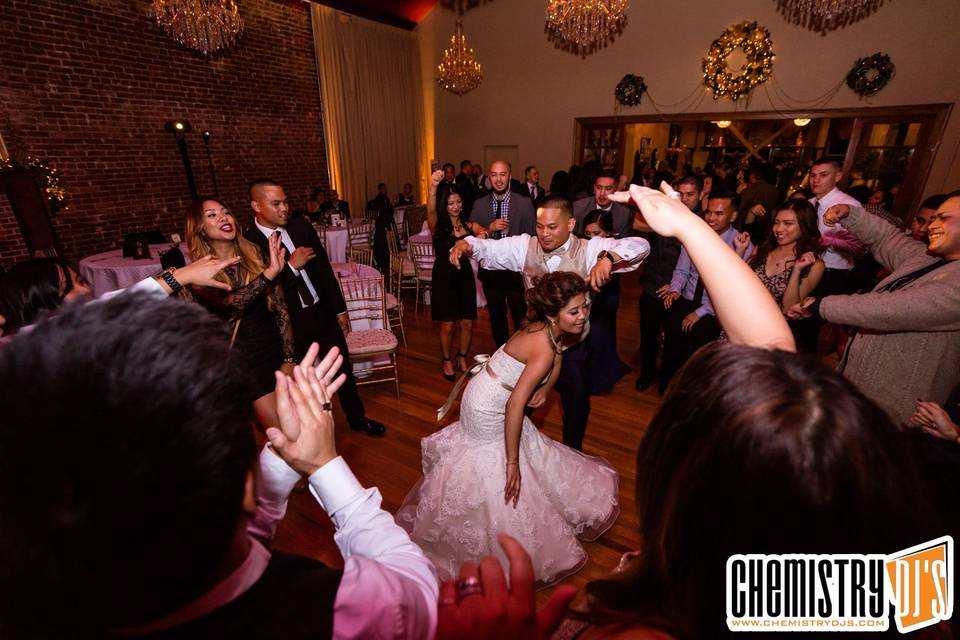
<point>723,124</point>
<point>801,122</point>
<point>180,129</point>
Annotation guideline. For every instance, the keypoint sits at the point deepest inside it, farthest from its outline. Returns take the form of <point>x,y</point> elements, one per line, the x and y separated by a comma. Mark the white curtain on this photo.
<point>372,105</point>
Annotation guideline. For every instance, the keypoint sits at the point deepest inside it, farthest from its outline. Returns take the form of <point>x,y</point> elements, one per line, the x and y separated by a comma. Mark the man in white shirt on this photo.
<point>555,249</point>
<point>149,510</point>
<point>841,245</point>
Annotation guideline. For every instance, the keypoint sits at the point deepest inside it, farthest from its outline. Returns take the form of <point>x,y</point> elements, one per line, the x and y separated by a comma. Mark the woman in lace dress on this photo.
<point>260,331</point>
<point>493,471</point>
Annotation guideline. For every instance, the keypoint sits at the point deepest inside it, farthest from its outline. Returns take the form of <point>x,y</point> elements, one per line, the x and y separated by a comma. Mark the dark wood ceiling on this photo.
<point>399,13</point>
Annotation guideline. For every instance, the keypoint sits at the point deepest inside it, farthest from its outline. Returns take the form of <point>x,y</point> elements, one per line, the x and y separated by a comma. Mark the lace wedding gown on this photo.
<point>456,510</point>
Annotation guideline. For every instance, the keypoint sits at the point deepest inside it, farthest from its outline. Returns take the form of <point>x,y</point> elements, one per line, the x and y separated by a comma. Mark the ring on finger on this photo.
<point>469,586</point>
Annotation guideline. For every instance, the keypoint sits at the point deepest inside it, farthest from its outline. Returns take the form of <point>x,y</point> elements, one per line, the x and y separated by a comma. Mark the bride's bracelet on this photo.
<point>516,462</point>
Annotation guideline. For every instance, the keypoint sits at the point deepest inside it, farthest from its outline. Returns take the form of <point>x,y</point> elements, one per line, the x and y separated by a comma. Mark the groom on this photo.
<point>555,249</point>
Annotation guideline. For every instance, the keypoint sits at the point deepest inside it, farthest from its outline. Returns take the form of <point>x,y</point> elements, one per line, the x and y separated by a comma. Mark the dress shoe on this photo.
<point>643,381</point>
<point>369,427</point>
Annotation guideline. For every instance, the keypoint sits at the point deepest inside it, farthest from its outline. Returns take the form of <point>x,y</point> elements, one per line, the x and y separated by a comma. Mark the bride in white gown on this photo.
<point>471,488</point>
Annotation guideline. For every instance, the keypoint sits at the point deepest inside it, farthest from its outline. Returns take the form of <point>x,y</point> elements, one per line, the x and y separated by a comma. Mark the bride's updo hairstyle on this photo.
<point>551,292</point>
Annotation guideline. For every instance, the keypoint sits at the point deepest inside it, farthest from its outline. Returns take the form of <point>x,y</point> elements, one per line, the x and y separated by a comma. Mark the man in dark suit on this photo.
<point>531,186</point>
<point>317,310</point>
<point>503,213</point>
<point>603,186</point>
<point>335,205</point>
<point>466,186</point>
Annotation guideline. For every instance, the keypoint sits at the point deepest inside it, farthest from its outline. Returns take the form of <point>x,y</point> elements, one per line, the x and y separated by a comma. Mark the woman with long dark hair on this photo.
<point>260,331</point>
<point>453,291</point>
<point>789,265</point>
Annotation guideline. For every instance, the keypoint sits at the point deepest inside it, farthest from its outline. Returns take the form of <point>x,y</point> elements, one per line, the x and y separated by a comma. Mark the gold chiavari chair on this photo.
<point>365,298</point>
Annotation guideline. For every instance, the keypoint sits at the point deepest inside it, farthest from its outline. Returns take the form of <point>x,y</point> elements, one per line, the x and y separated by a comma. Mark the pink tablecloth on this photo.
<point>110,271</point>
<point>426,237</point>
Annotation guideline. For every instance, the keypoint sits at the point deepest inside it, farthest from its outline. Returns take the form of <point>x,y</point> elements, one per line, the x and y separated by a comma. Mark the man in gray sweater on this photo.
<point>907,343</point>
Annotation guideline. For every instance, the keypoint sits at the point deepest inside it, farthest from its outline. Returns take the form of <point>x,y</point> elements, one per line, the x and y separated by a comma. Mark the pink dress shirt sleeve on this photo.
<point>389,588</point>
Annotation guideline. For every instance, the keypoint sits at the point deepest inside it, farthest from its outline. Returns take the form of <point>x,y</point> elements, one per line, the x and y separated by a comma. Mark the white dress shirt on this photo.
<point>832,258</point>
<point>288,243</point>
<point>510,254</point>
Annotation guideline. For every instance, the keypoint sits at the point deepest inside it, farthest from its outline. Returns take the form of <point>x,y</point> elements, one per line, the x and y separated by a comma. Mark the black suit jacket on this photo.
<point>524,190</point>
<point>321,274</point>
<point>523,218</point>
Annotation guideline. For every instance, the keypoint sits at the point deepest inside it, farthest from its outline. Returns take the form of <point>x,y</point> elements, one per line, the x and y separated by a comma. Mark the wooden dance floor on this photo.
<point>392,463</point>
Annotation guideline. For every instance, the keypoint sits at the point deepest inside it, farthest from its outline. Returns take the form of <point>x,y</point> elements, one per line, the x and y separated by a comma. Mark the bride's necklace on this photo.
<point>553,339</point>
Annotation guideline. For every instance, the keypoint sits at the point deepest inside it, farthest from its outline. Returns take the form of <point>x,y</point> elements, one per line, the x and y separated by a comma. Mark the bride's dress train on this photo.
<point>457,509</point>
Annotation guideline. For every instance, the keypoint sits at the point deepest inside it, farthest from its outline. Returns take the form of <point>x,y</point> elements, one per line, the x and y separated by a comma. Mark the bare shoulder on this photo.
<point>528,344</point>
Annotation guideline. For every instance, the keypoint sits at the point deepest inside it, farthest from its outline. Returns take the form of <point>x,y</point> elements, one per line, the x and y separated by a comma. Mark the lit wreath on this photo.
<point>630,90</point>
<point>756,44</point>
<point>871,74</point>
<point>49,180</point>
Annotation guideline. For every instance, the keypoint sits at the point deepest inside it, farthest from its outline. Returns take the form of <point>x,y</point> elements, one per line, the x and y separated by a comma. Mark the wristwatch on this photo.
<point>605,254</point>
<point>167,276</point>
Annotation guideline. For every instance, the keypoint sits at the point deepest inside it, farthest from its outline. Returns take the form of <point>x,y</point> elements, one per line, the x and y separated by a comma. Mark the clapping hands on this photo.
<point>305,437</point>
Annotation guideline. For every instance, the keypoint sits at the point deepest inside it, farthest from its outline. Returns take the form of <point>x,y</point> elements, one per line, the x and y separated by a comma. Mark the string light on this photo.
<point>49,180</point>
<point>755,42</point>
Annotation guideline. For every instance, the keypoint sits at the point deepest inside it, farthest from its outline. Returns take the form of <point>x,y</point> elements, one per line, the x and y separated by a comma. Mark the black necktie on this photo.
<point>302,290</point>
<point>698,293</point>
<point>496,214</point>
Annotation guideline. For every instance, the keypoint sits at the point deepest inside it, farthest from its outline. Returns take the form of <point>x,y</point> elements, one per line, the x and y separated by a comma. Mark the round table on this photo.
<point>426,237</point>
<point>109,271</point>
<point>335,240</point>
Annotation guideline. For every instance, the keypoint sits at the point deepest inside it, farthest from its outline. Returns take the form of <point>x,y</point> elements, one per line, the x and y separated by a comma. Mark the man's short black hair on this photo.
<point>447,164</point>
<point>465,163</point>
<point>557,201</point>
<point>934,202</point>
<point>527,170</point>
<point>381,184</point>
<point>262,182</point>
<point>694,180</point>
<point>835,162</point>
<point>723,194</point>
<point>124,448</point>
<point>609,173</point>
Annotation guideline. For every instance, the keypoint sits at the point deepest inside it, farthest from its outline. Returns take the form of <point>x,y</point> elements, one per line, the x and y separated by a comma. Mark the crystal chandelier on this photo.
<point>585,25</point>
<point>203,25</point>
<point>826,15</point>
<point>459,72</point>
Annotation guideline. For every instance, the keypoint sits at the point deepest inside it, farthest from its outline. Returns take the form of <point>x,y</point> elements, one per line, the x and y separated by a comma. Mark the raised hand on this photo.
<point>500,613</point>
<point>835,214</point>
<point>301,256</point>
<point>805,260</point>
<point>305,438</point>
<point>511,490</point>
<point>665,215</point>
<point>277,252</point>
<point>203,272</point>
<point>741,242</point>
<point>435,178</point>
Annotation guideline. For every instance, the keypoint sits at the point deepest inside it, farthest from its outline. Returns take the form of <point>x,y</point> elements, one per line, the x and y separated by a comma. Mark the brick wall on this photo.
<point>89,84</point>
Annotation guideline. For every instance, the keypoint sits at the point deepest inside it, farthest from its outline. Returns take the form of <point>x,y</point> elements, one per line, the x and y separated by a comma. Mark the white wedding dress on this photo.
<point>456,510</point>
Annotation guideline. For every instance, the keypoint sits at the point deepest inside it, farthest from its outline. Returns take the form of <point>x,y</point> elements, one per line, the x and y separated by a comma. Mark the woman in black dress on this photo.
<point>606,366</point>
<point>261,335</point>
<point>454,294</point>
